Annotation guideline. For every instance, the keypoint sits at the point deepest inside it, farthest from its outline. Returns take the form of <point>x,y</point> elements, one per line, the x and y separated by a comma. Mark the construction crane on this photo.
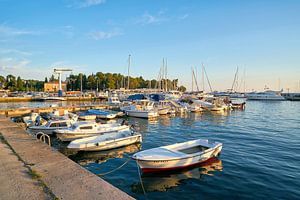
<point>60,72</point>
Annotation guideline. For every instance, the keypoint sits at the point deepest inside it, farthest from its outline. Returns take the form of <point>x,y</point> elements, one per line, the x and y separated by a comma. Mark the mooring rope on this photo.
<point>140,177</point>
<point>102,174</point>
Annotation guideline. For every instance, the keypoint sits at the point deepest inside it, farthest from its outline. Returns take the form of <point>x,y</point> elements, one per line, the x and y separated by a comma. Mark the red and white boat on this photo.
<point>177,156</point>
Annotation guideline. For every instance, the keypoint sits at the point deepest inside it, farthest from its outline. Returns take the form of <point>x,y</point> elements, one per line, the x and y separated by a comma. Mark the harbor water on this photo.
<point>260,156</point>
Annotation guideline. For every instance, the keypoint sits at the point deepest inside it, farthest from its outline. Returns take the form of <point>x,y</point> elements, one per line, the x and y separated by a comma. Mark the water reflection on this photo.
<point>163,182</point>
<point>85,158</point>
<point>165,120</point>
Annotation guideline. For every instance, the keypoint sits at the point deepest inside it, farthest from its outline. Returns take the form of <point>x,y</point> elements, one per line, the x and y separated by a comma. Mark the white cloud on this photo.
<point>102,35</point>
<point>85,3</point>
<point>12,65</point>
<point>182,17</point>
<point>14,51</point>
<point>147,18</point>
<point>10,31</point>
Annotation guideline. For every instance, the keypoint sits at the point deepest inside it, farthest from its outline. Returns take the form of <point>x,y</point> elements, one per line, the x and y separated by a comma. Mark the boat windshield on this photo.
<point>74,126</point>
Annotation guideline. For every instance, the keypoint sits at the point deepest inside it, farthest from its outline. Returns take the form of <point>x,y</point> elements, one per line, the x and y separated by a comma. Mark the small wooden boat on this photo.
<point>177,156</point>
<point>106,141</point>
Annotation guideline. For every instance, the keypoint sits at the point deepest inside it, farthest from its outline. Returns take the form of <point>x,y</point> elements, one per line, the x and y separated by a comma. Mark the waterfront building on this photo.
<point>54,86</point>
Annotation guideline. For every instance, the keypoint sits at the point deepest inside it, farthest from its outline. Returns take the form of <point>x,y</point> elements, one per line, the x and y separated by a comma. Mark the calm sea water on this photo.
<point>260,156</point>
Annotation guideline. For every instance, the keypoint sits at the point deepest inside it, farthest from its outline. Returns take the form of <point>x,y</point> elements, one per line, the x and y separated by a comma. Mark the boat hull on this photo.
<point>141,114</point>
<point>48,131</point>
<point>87,117</point>
<point>150,166</point>
<point>70,136</point>
<point>112,144</point>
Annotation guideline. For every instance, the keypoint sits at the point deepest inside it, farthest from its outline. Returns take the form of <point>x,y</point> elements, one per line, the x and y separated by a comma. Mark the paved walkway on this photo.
<point>15,181</point>
<point>65,178</point>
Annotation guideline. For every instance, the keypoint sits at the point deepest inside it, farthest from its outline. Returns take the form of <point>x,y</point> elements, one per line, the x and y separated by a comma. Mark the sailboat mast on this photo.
<point>128,81</point>
<point>203,78</point>
<point>166,72</point>
<point>192,80</point>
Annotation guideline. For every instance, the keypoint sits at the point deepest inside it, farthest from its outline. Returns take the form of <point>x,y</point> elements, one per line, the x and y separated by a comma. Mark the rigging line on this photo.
<point>207,79</point>
<point>234,80</point>
<point>102,174</point>
<point>140,177</point>
<point>195,78</point>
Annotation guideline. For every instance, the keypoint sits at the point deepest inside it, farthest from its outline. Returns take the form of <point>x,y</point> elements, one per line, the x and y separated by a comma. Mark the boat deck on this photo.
<point>193,150</point>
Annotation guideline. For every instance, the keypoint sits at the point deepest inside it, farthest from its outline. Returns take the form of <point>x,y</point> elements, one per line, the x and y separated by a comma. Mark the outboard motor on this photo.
<point>124,122</point>
<point>38,121</point>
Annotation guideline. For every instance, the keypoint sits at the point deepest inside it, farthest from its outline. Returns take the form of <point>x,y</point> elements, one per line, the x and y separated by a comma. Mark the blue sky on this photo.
<point>261,37</point>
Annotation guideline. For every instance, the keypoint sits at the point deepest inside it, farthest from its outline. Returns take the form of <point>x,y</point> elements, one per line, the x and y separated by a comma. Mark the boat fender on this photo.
<point>132,128</point>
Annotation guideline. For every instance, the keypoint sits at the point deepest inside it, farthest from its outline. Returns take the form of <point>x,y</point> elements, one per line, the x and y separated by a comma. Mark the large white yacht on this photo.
<point>266,95</point>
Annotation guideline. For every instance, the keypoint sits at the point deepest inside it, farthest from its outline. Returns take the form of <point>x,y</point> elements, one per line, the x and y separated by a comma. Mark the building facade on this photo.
<point>54,86</point>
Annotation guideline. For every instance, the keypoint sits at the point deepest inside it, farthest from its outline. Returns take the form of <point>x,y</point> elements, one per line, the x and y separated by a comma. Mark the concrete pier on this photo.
<point>27,99</point>
<point>21,111</point>
<point>59,177</point>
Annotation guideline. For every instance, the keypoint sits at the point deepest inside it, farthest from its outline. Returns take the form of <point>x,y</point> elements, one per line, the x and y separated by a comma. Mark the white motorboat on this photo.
<point>163,107</point>
<point>194,107</point>
<point>213,104</point>
<point>63,115</point>
<point>173,95</point>
<point>113,99</point>
<point>86,116</point>
<point>177,156</point>
<point>106,141</point>
<point>140,108</point>
<point>266,95</point>
<point>30,119</point>
<point>50,127</point>
<point>88,129</point>
<point>103,114</point>
<point>238,103</point>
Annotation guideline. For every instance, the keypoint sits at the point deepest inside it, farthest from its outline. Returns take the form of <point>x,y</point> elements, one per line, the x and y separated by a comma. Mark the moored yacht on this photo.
<point>88,129</point>
<point>106,141</point>
<point>266,95</point>
<point>140,108</point>
<point>50,127</point>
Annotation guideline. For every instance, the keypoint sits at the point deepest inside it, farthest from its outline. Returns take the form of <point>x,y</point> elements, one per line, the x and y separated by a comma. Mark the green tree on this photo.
<point>11,82</point>
<point>20,84</point>
<point>2,81</point>
<point>182,88</point>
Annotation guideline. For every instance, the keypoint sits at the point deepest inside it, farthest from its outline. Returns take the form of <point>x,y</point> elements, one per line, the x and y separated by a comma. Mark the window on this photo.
<point>63,124</point>
<point>86,127</point>
<point>53,125</point>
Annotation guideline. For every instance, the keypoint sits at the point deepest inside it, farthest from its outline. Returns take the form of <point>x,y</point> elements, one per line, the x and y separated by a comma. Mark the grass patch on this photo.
<point>34,174</point>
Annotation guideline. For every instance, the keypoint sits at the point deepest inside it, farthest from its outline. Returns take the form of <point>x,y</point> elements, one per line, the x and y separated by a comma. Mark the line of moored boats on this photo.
<point>84,134</point>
